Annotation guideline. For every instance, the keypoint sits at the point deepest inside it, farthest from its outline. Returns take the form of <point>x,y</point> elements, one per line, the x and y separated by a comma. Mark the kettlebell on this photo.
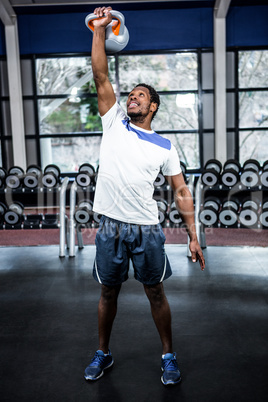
<point>116,37</point>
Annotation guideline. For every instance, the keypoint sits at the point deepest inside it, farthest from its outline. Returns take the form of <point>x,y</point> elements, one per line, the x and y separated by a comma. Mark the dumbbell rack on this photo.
<point>238,191</point>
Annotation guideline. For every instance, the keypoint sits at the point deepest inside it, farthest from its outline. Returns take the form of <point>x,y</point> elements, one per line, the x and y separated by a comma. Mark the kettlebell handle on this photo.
<point>117,30</point>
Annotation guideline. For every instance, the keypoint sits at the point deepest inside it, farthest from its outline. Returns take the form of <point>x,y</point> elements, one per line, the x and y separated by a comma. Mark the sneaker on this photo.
<point>171,373</point>
<point>99,363</point>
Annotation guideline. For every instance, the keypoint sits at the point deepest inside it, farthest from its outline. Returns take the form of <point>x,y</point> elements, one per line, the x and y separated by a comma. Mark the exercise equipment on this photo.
<point>116,34</point>
<point>174,216</point>
<point>162,210</point>
<point>248,215</point>
<point>160,180</point>
<point>50,221</point>
<point>14,177</point>
<point>264,215</point>
<point>230,173</point>
<point>3,209</point>
<point>32,221</point>
<point>228,215</point>
<point>96,218</point>
<point>208,216</point>
<point>14,214</point>
<point>83,213</point>
<point>86,175</point>
<point>32,178</point>
<point>249,177</point>
<point>264,174</point>
<point>211,174</point>
<point>3,174</point>
<point>252,164</point>
<point>51,176</point>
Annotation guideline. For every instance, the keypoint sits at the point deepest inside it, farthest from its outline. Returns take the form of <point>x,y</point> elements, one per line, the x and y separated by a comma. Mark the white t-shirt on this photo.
<point>130,160</point>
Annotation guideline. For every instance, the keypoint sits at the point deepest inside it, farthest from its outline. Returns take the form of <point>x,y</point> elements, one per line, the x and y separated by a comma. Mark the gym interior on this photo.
<point>208,61</point>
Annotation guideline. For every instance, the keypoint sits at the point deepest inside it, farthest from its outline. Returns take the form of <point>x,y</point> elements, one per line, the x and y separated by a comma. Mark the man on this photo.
<point>130,158</point>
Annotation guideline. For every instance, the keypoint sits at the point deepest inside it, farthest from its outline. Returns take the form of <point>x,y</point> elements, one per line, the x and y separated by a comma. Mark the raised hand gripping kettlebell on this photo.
<point>116,36</point>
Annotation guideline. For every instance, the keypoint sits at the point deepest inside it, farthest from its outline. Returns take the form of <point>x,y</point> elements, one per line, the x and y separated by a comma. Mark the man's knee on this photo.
<point>155,294</point>
<point>110,293</point>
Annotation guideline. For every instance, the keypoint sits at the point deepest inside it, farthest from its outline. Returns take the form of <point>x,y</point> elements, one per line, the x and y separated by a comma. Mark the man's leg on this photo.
<point>161,314</point>
<point>107,310</point>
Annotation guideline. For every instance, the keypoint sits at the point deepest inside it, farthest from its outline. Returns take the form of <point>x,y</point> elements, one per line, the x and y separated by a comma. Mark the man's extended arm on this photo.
<point>184,204</point>
<point>106,96</point>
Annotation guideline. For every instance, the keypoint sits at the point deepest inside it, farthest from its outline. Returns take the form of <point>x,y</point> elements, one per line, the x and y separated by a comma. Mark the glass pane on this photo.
<point>70,153</point>
<point>253,69</point>
<point>176,112</point>
<point>187,146</point>
<point>253,109</point>
<point>165,72</point>
<point>62,75</point>
<point>253,145</point>
<point>72,115</point>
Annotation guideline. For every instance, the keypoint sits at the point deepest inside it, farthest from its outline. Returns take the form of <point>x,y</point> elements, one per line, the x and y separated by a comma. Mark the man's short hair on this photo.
<point>154,97</point>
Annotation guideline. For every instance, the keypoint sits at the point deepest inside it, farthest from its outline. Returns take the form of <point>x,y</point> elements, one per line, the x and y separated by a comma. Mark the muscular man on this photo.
<point>130,158</point>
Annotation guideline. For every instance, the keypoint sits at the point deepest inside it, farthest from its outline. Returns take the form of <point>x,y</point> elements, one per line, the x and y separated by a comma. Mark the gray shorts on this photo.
<point>118,242</point>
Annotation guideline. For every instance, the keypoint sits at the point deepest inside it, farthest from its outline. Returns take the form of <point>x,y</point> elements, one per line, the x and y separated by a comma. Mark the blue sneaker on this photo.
<point>99,363</point>
<point>171,373</point>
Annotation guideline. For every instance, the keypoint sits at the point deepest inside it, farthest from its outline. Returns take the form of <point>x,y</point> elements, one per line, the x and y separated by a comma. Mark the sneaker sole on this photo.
<point>170,383</point>
<point>101,374</point>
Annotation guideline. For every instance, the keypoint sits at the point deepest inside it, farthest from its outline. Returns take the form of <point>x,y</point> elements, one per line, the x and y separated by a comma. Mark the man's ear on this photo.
<point>153,107</point>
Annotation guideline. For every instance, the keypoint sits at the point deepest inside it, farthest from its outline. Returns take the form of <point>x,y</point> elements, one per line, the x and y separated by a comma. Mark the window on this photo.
<point>69,125</point>
<point>253,105</point>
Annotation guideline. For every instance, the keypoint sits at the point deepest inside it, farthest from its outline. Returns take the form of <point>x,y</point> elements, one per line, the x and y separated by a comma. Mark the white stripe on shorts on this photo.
<point>96,268</point>
<point>165,267</point>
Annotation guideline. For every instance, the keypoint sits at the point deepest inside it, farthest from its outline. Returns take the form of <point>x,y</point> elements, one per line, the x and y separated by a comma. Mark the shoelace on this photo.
<point>170,364</point>
<point>97,360</point>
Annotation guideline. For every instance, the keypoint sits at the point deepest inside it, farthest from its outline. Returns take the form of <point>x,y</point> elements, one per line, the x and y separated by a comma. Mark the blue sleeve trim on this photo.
<point>154,138</point>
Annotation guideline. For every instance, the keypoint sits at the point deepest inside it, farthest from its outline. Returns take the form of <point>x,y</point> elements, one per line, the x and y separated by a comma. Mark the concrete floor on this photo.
<point>48,330</point>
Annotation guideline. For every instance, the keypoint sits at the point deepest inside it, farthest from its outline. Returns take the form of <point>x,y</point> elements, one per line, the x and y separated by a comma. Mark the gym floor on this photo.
<point>49,332</point>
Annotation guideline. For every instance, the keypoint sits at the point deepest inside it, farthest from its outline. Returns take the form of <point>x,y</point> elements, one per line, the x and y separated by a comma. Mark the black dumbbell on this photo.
<point>160,180</point>
<point>230,173</point>
<point>250,174</point>
<point>33,176</point>
<point>174,216</point>
<point>83,213</point>
<point>264,174</point>
<point>14,214</point>
<point>3,174</point>
<point>162,206</point>
<point>3,209</point>
<point>211,174</point>
<point>51,177</point>
<point>86,175</point>
<point>248,215</point>
<point>14,177</point>
<point>264,215</point>
<point>228,215</point>
<point>208,216</point>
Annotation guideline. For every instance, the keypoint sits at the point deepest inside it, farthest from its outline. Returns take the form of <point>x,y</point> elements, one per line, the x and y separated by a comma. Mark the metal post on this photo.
<point>71,220</point>
<point>62,216</point>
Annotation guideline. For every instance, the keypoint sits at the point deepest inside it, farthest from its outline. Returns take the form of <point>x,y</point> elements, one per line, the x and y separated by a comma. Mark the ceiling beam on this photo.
<point>7,14</point>
<point>221,8</point>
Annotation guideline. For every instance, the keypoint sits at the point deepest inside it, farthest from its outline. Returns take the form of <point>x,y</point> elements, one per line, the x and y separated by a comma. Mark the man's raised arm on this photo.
<point>106,96</point>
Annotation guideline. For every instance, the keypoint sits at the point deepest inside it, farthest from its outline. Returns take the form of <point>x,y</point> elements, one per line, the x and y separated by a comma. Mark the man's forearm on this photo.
<point>98,56</point>
<point>185,206</point>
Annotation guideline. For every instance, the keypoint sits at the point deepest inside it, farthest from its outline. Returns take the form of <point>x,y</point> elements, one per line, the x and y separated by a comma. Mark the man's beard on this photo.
<point>138,117</point>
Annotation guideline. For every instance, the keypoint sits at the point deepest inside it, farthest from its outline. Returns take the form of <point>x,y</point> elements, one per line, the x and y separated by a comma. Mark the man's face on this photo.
<point>138,102</point>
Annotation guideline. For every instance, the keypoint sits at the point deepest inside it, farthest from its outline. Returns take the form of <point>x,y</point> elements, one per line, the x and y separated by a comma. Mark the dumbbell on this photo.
<point>96,217</point>
<point>32,221</point>
<point>3,209</point>
<point>51,176</point>
<point>208,216</point>
<point>32,177</point>
<point>86,175</point>
<point>160,180</point>
<point>228,215</point>
<point>162,206</point>
<point>14,177</point>
<point>174,215</point>
<point>264,174</point>
<point>50,221</point>
<point>230,173</point>
<point>250,174</point>
<point>14,214</point>
<point>3,174</point>
<point>83,213</point>
<point>211,174</point>
<point>248,215</point>
<point>264,215</point>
